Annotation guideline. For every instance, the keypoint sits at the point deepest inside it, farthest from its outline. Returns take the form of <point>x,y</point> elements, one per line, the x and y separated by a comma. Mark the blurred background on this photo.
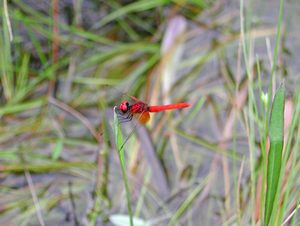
<point>56,57</point>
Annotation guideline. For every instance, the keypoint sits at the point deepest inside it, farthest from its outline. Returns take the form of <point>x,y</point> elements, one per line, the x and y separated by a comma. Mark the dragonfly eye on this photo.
<point>124,106</point>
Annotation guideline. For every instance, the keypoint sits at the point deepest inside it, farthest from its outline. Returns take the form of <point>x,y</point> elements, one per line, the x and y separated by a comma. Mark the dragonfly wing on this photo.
<point>135,128</point>
<point>114,97</point>
<point>138,121</point>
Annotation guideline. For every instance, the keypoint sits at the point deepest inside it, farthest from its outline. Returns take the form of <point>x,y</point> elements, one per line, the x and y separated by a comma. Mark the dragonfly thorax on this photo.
<point>136,108</point>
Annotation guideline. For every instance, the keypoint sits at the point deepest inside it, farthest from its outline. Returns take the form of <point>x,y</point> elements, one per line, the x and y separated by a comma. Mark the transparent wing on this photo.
<point>114,97</point>
<point>130,124</point>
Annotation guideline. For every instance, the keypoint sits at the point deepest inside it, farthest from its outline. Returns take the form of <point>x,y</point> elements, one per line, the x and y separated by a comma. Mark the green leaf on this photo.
<point>57,149</point>
<point>120,147</point>
<point>118,133</point>
<point>275,151</point>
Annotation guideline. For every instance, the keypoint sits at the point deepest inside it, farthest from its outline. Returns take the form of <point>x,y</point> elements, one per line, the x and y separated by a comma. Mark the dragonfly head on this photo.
<point>124,106</point>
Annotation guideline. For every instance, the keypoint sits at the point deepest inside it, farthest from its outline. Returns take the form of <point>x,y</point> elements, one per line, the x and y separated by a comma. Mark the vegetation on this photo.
<point>232,158</point>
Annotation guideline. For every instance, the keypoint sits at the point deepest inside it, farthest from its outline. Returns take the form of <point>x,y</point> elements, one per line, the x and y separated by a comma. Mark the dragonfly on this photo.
<point>134,110</point>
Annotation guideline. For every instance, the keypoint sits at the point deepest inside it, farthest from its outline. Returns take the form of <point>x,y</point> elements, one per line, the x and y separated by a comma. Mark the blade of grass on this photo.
<point>57,149</point>
<point>9,109</point>
<point>46,167</point>
<point>188,201</point>
<point>102,170</point>
<point>22,78</point>
<point>120,148</point>
<point>263,145</point>
<point>34,197</point>
<point>295,212</point>
<point>196,109</point>
<point>43,20</point>
<point>275,151</point>
<point>122,49</point>
<point>271,82</point>
<point>290,151</point>
<point>133,18</point>
<point>130,8</point>
<point>130,31</point>
<point>252,107</point>
<point>205,143</point>
<point>5,60</point>
<point>37,45</point>
<point>7,20</point>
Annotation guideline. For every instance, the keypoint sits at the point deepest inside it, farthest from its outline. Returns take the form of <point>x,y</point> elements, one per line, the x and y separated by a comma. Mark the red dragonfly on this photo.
<point>138,110</point>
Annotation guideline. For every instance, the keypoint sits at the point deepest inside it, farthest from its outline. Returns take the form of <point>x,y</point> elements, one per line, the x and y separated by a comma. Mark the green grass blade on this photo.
<point>204,143</point>
<point>291,151</point>
<point>120,147</point>
<point>11,109</point>
<point>57,149</point>
<point>5,60</point>
<point>118,133</point>
<point>22,77</point>
<point>188,201</point>
<point>130,8</point>
<point>37,45</point>
<point>275,151</point>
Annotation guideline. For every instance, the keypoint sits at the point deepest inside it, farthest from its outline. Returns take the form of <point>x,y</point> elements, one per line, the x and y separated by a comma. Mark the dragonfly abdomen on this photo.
<point>168,107</point>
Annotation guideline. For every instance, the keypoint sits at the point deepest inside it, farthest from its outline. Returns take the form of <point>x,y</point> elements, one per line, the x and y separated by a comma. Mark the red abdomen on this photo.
<point>167,107</point>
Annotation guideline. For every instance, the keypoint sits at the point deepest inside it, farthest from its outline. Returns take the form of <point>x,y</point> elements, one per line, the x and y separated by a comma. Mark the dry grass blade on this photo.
<point>72,111</point>
<point>34,197</point>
